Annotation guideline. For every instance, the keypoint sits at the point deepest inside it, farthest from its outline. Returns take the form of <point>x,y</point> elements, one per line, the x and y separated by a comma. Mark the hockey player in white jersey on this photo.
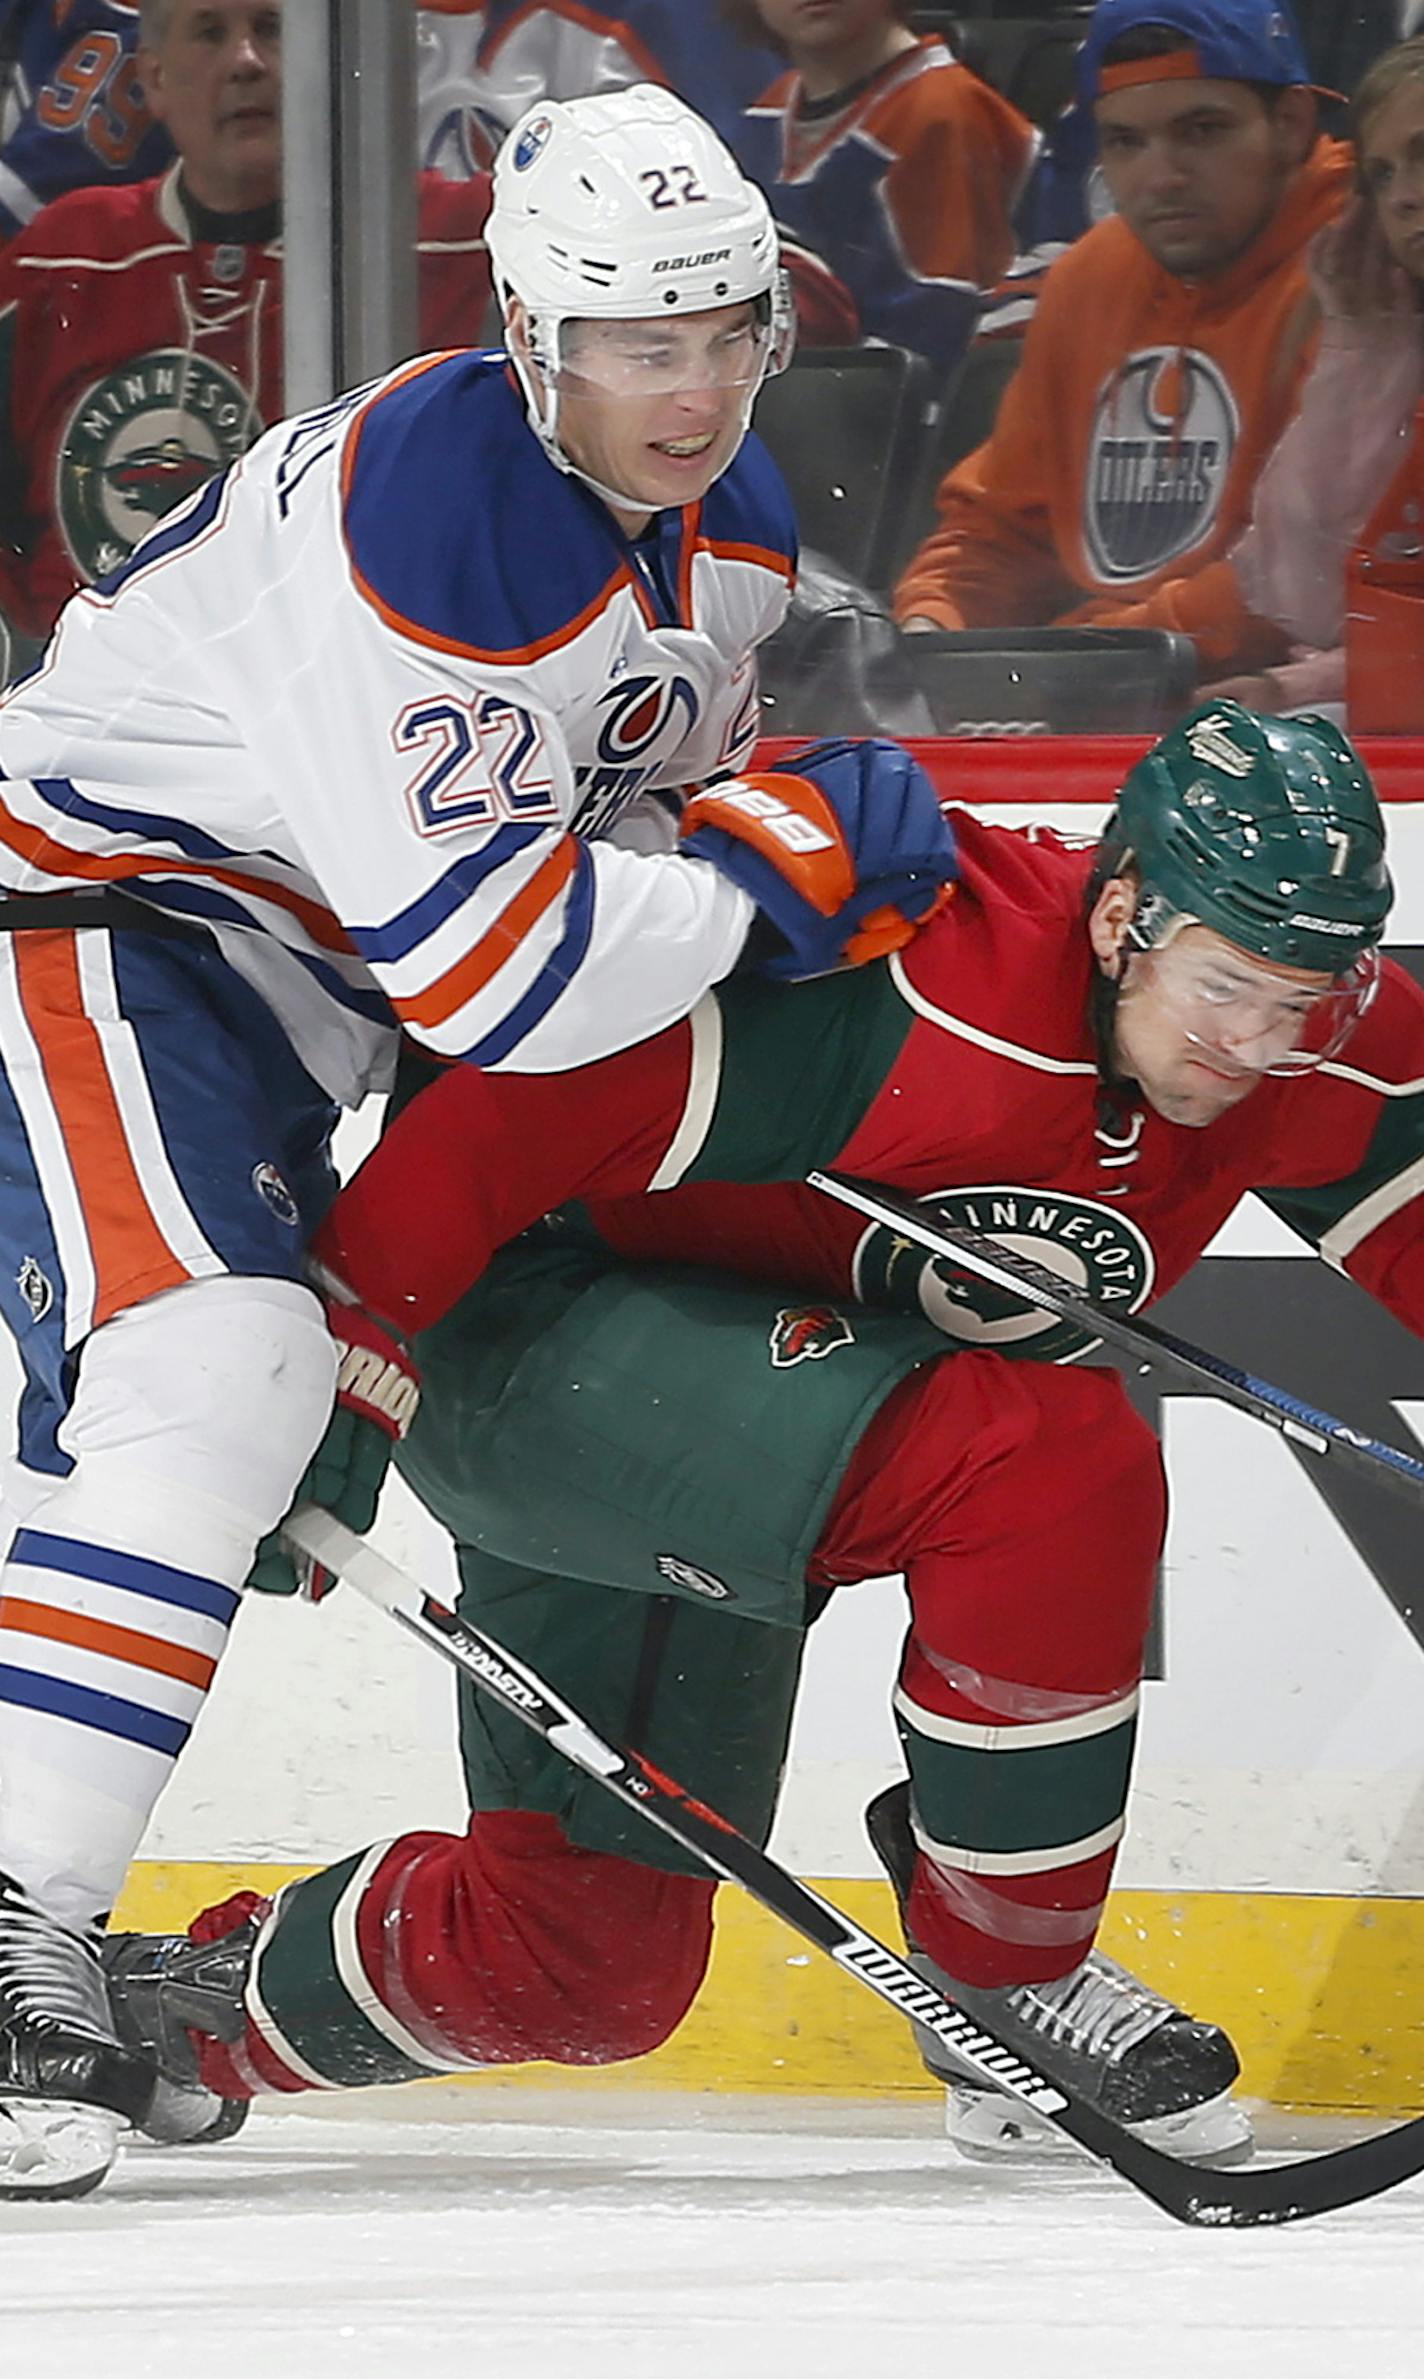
<point>386,728</point>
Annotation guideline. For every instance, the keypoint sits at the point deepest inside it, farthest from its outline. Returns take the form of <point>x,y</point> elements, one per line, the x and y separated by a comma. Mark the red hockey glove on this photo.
<point>845,852</point>
<point>377,1393</point>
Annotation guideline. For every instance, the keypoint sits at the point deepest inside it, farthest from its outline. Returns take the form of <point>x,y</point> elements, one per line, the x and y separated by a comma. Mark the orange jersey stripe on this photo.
<point>42,849</point>
<point>601,24</point>
<point>471,973</point>
<point>762,555</point>
<point>434,642</point>
<point>116,1643</point>
<point>691,517</point>
<point>124,1240</point>
<point>429,637</point>
<point>414,371</point>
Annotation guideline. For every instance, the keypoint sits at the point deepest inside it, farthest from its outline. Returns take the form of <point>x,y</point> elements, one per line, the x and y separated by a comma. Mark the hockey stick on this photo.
<point>974,1251</point>
<point>1234,2200</point>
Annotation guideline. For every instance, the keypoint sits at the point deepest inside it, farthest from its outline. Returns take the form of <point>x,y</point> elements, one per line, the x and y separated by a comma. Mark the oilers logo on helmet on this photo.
<point>531,141</point>
<point>589,222</point>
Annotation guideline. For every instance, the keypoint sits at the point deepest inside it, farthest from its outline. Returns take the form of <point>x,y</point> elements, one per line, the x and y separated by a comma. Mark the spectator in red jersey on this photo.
<point>1333,557</point>
<point>888,159</point>
<point>140,327</point>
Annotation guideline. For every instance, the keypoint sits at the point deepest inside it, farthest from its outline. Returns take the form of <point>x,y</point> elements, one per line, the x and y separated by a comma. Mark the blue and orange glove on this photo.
<point>845,851</point>
<point>377,1392</point>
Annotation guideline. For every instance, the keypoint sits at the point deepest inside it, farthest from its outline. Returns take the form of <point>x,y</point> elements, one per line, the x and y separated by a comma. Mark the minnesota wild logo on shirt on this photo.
<point>1098,1250</point>
<point>137,443</point>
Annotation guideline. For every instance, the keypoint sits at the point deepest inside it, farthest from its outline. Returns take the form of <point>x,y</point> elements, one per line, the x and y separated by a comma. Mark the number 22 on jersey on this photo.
<point>481,763</point>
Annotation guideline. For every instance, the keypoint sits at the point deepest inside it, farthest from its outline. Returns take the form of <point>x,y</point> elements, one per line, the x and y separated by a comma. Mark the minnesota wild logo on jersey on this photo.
<point>140,440</point>
<point>1099,1251</point>
<point>807,1334</point>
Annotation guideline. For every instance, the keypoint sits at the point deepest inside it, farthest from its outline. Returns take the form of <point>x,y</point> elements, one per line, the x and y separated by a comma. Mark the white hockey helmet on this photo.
<point>622,208</point>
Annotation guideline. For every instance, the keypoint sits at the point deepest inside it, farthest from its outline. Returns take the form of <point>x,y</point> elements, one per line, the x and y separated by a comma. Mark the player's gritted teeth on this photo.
<point>682,450</point>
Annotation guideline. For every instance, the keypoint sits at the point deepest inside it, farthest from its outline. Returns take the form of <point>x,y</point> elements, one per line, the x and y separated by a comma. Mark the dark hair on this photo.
<point>1161,41</point>
<point>745,20</point>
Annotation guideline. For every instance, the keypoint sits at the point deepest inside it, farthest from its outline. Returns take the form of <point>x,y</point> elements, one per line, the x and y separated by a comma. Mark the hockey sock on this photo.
<point>1025,1506</point>
<point>106,1652</point>
<point>439,1952</point>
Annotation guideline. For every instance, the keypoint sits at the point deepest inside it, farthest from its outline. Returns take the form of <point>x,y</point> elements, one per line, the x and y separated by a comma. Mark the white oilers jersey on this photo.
<point>370,707</point>
<point>446,40</point>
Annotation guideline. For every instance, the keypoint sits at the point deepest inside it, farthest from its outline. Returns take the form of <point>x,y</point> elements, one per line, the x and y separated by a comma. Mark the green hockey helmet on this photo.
<point>1267,830</point>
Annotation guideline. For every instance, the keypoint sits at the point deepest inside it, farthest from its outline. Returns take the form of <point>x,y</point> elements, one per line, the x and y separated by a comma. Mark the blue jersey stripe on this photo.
<point>74,1558</point>
<point>180,528</point>
<point>205,903</point>
<point>108,1712</point>
<point>404,932</point>
<point>150,826</point>
<point>553,978</point>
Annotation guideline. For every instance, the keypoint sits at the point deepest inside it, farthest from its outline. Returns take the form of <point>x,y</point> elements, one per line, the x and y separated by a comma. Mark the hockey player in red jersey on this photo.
<point>661,1428</point>
<point>141,326</point>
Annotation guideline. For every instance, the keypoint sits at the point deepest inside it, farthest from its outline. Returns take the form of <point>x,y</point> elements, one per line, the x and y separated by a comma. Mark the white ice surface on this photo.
<point>658,2238</point>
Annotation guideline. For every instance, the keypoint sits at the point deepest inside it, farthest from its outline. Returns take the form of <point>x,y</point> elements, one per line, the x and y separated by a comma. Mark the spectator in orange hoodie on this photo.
<point>1167,350</point>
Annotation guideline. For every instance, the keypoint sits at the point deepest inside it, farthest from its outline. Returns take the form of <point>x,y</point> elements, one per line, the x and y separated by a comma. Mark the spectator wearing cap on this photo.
<point>1166,353</point>
<point>889,160</point>
<point>1339,39</point>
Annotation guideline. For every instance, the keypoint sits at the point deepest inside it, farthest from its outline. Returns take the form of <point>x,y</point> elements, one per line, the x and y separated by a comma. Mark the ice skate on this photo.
<point>68,2085</point>
<point>163,1987</point>
<point>1106,2035</point>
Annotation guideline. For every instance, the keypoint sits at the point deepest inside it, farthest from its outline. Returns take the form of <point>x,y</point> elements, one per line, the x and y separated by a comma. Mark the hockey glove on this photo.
<point>377,1392</point>
<point>845,851</point>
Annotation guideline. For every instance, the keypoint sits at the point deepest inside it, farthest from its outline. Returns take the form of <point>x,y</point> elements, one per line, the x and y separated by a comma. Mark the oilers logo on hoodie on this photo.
<point>1164,431</point>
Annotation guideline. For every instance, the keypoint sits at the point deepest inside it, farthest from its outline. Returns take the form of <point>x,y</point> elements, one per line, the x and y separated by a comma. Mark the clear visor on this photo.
<point>1255,1018</point>
<point>731,349</point>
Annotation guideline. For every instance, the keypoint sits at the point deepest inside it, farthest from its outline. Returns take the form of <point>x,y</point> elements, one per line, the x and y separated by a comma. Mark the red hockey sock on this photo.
<point>1025,1505</point>
<point>502,1945</point>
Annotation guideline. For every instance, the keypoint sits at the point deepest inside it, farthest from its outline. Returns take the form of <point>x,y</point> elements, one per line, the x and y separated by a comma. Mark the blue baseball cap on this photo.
<point>1232,41</point>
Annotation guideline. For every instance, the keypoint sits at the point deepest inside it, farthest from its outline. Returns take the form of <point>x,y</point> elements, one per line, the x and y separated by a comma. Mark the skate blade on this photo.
<point>989,2129</point>
<point>54,2147</point>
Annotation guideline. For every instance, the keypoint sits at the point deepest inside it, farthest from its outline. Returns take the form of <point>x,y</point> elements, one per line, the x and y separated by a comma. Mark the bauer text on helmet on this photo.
<point>628,211</point>
<point>1244,893</point>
